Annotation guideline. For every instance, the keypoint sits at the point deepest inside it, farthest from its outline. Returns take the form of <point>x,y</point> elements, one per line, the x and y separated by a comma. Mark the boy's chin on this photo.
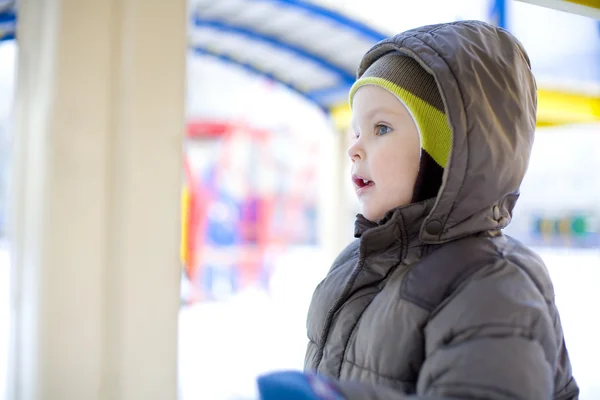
<point>376,214</point>
<point>371,214</point>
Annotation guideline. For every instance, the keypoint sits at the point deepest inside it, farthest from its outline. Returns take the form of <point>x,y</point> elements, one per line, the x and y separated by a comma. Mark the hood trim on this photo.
<point>422,46</point>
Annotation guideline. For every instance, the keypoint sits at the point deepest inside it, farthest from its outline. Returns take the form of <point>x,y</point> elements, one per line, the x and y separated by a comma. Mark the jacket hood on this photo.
<point>489,93</point>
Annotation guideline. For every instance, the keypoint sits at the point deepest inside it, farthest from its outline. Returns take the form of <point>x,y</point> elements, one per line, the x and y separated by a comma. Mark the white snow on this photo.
<point>225,345</point>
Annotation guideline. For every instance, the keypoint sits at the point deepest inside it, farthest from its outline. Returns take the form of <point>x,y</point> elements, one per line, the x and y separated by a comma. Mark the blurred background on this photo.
<point>266,201</point>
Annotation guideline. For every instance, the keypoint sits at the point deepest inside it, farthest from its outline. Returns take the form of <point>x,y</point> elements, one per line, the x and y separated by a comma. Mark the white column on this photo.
<point>337,222</point>
<point>99,121</point>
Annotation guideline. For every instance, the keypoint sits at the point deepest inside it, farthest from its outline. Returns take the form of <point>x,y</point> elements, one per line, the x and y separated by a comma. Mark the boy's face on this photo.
<point>386,152</point>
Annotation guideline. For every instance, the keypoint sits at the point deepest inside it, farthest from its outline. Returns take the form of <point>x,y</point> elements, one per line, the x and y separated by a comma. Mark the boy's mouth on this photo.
<point>361,182</point>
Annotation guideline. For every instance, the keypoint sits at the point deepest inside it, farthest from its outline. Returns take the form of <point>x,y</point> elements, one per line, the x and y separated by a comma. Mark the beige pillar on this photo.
<point>345,209</point>
<point>99,120</point>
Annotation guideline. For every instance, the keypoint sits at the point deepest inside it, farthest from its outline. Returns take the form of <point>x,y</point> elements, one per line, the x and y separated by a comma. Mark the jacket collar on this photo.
<point>397,232</point>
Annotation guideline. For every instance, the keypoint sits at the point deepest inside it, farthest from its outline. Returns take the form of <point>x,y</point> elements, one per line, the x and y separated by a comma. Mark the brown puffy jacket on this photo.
<point>435,301</point>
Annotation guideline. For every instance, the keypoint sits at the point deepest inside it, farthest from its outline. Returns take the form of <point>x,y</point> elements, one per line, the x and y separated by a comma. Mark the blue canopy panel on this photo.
<point>8,20</point>
<point>310,49</point>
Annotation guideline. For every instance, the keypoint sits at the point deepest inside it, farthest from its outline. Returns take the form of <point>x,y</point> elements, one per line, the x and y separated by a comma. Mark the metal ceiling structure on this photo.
<point>308,48</point>
<point>314,50</point>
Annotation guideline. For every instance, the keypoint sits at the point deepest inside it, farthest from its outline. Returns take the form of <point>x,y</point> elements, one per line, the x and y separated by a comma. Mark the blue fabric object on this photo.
<point>293,385</point>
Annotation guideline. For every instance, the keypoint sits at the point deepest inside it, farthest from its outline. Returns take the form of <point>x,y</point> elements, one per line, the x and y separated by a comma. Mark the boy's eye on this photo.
<point>382,129</point>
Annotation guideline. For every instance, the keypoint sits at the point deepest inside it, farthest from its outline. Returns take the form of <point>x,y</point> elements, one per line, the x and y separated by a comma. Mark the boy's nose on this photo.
<point>356,152</point>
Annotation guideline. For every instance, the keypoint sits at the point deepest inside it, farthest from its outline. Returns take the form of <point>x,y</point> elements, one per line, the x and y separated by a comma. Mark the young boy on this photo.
<point>432,300</point>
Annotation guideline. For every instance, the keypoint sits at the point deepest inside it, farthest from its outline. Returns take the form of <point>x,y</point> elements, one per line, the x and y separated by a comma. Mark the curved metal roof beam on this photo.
<point>344,75</point>
<point>7,37</point>
<point>7,17</point>
<point>256,71</point>
<point>335,16</point>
